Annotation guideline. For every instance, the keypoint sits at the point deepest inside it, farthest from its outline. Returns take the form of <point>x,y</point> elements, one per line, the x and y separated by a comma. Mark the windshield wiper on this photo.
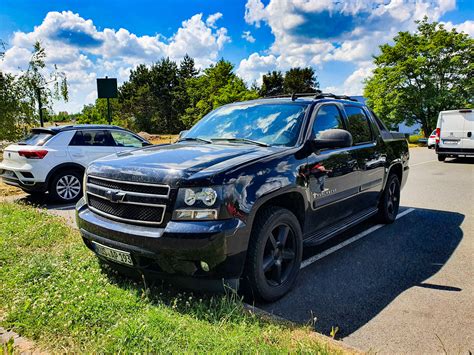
<point>243,140</point>
<point>195,139</point>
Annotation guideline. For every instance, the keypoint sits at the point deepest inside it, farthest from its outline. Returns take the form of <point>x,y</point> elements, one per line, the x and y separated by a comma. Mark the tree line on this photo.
<point>421,73</point>
<point>167,97</point>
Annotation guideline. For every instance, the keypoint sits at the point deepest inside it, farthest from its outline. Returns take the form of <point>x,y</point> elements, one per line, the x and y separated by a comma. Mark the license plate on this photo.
<point>119,256</point>
<point>450,142</point>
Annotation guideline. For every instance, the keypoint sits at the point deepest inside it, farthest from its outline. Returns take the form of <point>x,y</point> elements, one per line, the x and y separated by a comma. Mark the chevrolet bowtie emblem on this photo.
<point>115,196</point>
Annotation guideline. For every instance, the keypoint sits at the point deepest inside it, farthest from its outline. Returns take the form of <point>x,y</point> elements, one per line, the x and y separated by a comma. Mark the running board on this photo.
<point>331,231</point>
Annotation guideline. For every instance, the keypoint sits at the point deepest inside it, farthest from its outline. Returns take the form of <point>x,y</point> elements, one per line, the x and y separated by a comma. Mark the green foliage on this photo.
<point>300,80</point>
<point>19,94</point>
<point>421,74</point>
<point>272,84</point>
<point>54,291</point>
<point>217,86</point>
<point>15,112</point>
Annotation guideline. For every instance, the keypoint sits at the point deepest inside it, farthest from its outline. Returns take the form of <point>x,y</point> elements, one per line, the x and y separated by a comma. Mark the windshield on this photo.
<point>272,124</point>
<point>36,138</point>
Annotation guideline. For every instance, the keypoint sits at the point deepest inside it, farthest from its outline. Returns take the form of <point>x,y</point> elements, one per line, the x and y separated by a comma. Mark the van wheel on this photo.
<point>390,202</point>
<point>274,254</point>
<point>441,157</point>
<point>66,186</point>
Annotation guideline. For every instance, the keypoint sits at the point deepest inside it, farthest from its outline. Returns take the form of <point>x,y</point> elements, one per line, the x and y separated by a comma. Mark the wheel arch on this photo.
<point>63,167</point>
<point>293,200</point>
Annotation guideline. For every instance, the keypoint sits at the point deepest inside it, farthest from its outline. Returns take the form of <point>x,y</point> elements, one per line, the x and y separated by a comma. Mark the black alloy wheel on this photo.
<point>390,202</point>
<point>274,254</point>
<point>279,254</point>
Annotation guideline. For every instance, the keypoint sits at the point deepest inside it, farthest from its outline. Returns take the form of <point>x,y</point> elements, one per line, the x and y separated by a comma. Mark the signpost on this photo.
<point>107,89</point>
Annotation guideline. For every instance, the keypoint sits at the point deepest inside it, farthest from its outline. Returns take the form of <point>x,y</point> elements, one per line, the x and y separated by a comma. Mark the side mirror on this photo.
<point>333,138</point>
<point>182,134</point>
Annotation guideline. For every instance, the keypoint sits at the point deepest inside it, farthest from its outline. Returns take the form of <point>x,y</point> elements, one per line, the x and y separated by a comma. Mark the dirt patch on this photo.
<point>159,138</point>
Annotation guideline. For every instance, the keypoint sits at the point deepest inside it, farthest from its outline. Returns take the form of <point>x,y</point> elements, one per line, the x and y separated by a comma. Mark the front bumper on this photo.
<point>174,252</point>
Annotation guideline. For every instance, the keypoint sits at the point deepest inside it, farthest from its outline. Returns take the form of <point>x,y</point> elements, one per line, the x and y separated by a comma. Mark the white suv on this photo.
<point>54,159</point>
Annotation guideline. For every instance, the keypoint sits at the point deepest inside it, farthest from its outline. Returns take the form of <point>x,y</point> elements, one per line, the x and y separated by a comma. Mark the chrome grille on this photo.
<point>134,202</point>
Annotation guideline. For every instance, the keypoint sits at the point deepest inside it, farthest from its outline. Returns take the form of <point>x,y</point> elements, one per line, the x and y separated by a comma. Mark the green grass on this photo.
<point>53,291</point>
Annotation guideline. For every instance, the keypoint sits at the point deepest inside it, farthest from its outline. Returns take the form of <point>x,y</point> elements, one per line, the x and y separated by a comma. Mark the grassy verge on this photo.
<point>53,291</point>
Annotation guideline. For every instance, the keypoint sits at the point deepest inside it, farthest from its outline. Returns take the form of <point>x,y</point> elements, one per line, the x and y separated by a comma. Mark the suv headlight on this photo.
<point>201,203</point>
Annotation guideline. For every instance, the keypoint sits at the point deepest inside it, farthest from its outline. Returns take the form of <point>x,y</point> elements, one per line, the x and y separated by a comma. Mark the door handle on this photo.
<point>469,134</point>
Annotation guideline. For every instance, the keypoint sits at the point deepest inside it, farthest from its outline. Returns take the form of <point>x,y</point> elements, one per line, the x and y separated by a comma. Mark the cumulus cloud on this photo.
<point>84,53</point>
<point>248,36</point>
<point>315,32</point>
<point>466,27</point>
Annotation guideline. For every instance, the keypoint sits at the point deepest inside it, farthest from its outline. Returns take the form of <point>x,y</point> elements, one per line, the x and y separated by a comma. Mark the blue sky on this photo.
<point>90,39</point>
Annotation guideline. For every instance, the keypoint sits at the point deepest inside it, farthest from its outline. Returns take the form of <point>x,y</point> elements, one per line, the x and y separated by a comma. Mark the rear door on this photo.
<point>452,130</point>
<point>89,145</point>
<point>331,174</point>
<point>467,141</point>
<point>370,158</point>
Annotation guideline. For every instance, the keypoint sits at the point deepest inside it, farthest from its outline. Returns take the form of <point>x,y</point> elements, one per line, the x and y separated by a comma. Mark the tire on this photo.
<point>441,157</point>
<point>276,245</point>
<point>390,201</point>
<point>66,186</point>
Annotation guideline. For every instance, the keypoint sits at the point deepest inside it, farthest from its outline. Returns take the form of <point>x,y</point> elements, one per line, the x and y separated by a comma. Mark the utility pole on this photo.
<point>40,106</point>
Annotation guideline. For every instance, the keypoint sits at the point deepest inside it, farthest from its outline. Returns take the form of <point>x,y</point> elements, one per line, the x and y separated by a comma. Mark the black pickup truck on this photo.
<point>239,196</point>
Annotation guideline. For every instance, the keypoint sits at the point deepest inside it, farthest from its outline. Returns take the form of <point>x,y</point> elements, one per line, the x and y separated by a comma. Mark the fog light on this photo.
<point>204,266</point>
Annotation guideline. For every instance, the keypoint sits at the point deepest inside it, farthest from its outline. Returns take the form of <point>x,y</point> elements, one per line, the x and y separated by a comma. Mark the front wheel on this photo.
<point>441,157</point>
<point>390,202</point>
<point>66,186</point>
<point>274,254</point>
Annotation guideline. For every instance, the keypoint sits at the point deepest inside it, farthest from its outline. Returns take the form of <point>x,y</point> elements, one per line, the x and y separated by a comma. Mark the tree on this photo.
<point>37,81</point>
<point>150,97</point>
<point>421,74</point>
<point>300,80</point>
<point>272,84</point>
<point>15,112</point>
<point>217,86</point>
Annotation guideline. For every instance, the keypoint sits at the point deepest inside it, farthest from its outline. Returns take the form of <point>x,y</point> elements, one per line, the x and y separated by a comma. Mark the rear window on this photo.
<point>36,138</point>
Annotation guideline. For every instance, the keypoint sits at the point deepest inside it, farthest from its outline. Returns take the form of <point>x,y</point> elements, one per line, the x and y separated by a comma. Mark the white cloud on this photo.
<point>354,84</point>
<point>314,32</point>
<point>84,53</point>
<point>248,36</point>
<point>466,27</point>
<point>211,19</point>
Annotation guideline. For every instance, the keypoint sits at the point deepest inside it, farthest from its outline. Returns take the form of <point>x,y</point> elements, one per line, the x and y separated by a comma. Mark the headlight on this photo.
<point>201,203</point>
<point>207,195</point>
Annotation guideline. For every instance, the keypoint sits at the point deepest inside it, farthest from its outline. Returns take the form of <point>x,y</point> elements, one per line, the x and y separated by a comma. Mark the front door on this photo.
<point>332,177</point>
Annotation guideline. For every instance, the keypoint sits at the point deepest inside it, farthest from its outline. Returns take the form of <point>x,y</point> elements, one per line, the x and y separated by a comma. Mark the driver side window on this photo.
<point>328,117</point>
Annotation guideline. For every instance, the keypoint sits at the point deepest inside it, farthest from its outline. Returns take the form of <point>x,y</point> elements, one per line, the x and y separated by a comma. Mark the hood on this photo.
<point>172,163</point>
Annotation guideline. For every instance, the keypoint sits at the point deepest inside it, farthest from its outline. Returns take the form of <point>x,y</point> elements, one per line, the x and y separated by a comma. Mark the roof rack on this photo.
<point>315,95</point>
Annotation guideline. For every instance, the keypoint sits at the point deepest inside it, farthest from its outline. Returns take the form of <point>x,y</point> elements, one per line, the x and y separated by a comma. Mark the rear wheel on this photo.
<point>390,202</point>
<point>66,186</point>
<point>274,254</point>
<point>441,157</point>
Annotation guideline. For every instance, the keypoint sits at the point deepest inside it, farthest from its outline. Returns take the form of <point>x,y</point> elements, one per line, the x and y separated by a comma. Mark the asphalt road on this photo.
<point>402,288</point>
<point>406,287</point>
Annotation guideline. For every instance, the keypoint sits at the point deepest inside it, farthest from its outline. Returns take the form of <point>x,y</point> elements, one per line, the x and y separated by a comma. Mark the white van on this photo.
<point>454,134</point>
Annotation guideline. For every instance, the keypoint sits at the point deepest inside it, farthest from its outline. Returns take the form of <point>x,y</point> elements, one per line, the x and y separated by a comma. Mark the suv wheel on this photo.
<point>66,186</point>
<point>441,157</point>
<point>274,254</point>
<point>390,202</point>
